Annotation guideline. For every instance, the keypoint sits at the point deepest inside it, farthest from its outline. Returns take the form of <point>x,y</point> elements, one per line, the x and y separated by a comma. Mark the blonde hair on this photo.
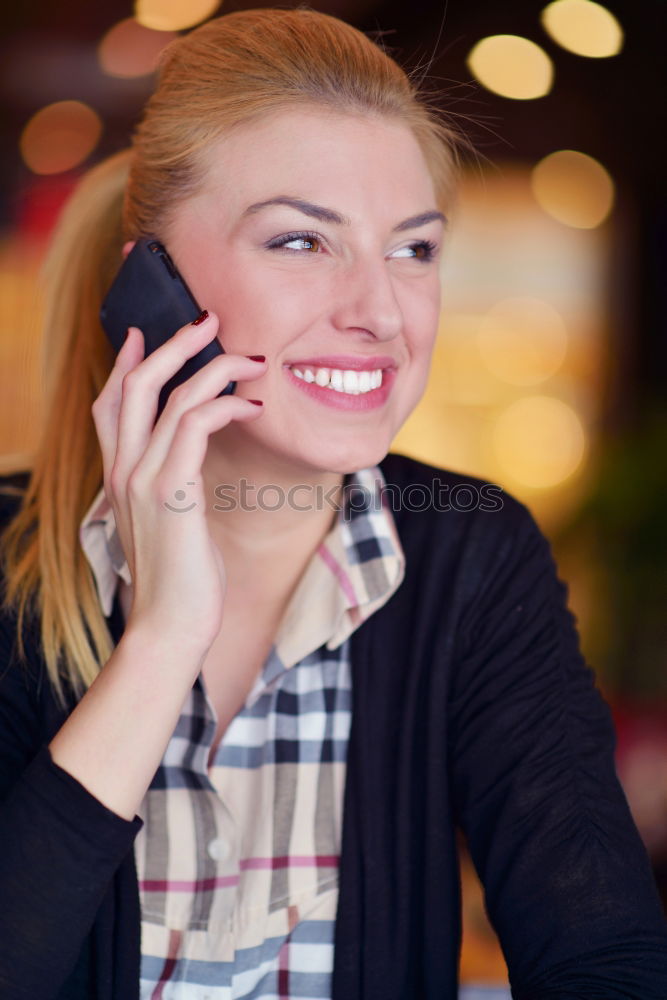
<point>226,73</point>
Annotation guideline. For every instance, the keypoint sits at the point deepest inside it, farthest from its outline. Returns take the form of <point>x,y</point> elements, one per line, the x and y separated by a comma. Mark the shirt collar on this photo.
<point>354,571</point>
<point>101,545</point>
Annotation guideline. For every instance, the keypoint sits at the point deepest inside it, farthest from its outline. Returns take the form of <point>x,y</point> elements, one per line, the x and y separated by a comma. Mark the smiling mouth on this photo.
<point>345,380</point>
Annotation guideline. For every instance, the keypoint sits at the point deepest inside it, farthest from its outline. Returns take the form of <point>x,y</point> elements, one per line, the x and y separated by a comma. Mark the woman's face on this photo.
<point>310,239</point>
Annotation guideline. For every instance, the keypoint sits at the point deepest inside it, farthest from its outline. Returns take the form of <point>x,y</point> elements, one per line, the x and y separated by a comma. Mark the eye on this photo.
<point>423,251</point>
<point>310,242</point>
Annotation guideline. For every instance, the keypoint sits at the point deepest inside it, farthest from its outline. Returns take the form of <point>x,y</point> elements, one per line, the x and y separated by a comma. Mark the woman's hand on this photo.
<point>177,570</point>
<point>113,741</point>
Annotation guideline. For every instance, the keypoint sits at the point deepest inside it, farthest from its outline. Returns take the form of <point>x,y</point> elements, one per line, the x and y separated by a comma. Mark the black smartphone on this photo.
<point>148,292</point>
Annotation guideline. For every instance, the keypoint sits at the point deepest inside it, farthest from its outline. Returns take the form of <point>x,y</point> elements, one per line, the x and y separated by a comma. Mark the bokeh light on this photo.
<point>512,67</point>
<point>538,441</point>
<point>60,137</point>
<point>173,15</point>
<point>130,49</point>
<point>522,340</point>
<point>583,27</point>
<point>573,188</point>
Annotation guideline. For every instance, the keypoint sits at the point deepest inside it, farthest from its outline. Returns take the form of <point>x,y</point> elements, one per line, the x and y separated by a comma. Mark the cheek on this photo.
<point>424,325</point>
<point>267,307</point>
<point>422,335</point>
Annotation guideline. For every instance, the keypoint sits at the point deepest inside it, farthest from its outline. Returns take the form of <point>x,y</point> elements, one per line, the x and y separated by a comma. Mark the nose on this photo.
<point>365,300</point>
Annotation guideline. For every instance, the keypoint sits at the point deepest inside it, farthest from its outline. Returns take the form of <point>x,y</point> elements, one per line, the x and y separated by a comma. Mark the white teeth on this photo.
<point>349,381</point>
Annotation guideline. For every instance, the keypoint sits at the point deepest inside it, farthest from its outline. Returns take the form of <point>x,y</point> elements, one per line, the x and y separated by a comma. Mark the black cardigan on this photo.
<point>472,707</point>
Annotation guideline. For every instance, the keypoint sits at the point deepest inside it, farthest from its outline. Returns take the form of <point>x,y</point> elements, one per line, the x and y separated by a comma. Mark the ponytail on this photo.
<point>46,575</point>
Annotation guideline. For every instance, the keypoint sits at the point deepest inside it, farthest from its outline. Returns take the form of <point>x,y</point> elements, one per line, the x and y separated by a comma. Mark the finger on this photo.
<point>181,470</point>
<point>141,388</point>
<point>106,407</point>
<point>202,387</point>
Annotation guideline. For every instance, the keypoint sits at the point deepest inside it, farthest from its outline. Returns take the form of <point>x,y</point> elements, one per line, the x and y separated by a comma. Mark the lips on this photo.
<point>344,362</point>
<point>343,401</point>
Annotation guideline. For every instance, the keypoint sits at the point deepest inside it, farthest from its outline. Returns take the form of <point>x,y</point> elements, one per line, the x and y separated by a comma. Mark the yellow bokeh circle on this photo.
<point>538,441</point>
<point>573,188</point>
<point>522,340</point>
<point>173,15</point>
<point>512,66</point>
<point>583,27</point>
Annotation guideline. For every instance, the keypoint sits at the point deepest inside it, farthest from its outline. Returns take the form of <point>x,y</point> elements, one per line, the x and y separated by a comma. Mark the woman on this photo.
<point>307,685</point>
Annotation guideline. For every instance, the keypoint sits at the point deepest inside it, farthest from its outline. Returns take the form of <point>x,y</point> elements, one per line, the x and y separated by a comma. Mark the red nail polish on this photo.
<point>200,319</point>
<point>256,357</point>
<point>257,402</point>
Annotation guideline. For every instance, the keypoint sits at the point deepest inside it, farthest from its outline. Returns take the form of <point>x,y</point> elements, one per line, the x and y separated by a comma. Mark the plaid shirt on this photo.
<point>238,862</point>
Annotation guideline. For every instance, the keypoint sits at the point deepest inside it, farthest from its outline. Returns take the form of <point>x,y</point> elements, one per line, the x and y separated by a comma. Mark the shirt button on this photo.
<point>218,849</point>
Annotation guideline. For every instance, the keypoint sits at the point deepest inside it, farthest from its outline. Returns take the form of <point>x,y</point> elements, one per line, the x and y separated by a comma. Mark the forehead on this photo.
<point>354,161</point>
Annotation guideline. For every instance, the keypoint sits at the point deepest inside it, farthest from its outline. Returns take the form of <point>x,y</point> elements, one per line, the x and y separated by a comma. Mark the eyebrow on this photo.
<point>328,214</point>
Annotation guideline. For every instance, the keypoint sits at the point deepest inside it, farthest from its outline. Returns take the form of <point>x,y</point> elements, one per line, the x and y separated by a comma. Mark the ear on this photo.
<point>127,247</point>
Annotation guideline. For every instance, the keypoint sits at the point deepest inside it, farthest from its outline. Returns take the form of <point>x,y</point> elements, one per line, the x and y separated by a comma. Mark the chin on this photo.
<point>351,456</point>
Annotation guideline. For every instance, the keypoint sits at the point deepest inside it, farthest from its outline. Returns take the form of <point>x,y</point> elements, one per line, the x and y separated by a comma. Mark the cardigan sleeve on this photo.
<point>59,846</point>
<point>567,881</point>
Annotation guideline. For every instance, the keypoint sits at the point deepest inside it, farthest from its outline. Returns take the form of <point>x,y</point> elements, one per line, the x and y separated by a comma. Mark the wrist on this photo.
<point>147,641</point>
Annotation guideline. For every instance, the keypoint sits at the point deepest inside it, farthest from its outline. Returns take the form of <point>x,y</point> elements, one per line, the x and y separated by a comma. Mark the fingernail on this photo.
<point>256,357</point>
<point>200,319</point>
<point>257,402</point>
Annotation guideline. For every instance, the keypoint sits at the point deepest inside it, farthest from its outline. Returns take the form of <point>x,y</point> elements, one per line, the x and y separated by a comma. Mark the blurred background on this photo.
<point>549,369</point>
